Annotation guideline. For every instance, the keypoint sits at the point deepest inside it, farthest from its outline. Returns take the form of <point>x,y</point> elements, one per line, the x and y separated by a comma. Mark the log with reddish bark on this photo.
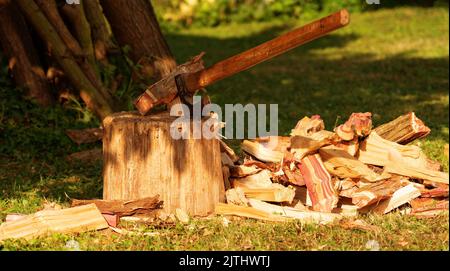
<point>23,61</point>
<point>403,129</point>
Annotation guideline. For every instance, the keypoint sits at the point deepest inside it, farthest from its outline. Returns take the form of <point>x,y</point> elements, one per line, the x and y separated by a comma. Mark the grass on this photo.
<point>386,62</point>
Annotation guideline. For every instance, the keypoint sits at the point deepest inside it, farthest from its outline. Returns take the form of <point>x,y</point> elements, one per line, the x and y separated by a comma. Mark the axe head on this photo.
<point>167,89</point>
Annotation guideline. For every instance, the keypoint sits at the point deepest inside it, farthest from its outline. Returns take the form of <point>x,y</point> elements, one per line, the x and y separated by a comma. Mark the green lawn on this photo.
<point>386,62</point>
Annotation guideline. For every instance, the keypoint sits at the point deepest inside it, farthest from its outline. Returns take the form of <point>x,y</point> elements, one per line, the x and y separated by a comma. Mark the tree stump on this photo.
<point>141,159</point>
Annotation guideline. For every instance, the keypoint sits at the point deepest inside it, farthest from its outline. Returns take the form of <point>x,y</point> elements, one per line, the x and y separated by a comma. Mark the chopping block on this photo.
<point>142,159</point>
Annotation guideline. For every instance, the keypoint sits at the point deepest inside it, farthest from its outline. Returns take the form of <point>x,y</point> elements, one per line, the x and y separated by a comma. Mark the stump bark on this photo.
<point>141,159</point>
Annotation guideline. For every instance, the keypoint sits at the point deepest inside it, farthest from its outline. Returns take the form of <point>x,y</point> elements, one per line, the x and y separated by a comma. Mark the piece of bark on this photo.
<point>341,164</point>
<point>435,192</point>
<point>226,177</point>
<point>417,173</point>
<point>229,151</point>
<point>71,220</point>
<point>400,197</point>
<point>375,150</point>
<point>318,181</point>
<point>275,193</point>
<point>236,196</point>
<point>403,129</point>
<point>245,211</point>
<point>301,146</point>
<point>226,160</point>
<point>307,126</point>
<point>243,171</point>
<point>88,156</point>
<point>260,152</point>
<point>375,192</point>
<point>122,207</point>
<point>289,212</point>
<point>423,205</point>
<point>83,136</point>
<point>357,125</point>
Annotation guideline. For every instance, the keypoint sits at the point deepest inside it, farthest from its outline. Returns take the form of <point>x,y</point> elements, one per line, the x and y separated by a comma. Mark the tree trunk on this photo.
<point>134,23</point>
<point>100,32</point>
<point>23,61</point>
<point>141,159</point>
<point>94,100</point>
<point>80,25</point>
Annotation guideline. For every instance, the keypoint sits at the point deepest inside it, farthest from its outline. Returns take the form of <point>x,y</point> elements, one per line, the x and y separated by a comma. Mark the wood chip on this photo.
<point>403,129</point>
<point>400,197</point>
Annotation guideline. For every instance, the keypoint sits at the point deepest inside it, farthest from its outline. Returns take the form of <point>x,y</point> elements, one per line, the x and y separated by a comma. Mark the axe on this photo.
<point>187,78</point>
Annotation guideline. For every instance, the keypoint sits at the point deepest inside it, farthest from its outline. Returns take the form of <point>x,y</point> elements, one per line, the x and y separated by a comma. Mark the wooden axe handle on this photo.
<point>265,51</point>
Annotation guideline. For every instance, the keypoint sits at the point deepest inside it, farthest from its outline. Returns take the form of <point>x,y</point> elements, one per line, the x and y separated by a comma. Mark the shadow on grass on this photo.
<point>302,82</point>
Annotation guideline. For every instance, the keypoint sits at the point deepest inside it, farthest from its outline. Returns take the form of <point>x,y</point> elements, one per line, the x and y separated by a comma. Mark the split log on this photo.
<point>275,193</point>
<point>375,192</point>
<point>23,60</point>
<point>275,143</point>
<point>318,181</point>
<point>142,159</point>
<point>226,177</point>
<point>352,146</point>
<point>122,207</point>
<point>308,126</point>
<point>375,150</point>
<point>417,173</point>
<point>289,212</point>
<point>245,211</point>
<point>83,136</point>
<point>259,180</point>
<point>345,187</point>
<point>341,164</point>
<point>357,125</point>
<point>236,196</point>
<point>71,220</point>
<point>293,174</point>
<point>301,146</point>
<point>403,129</point>
<point>260,152</point>
<point>400,197</point>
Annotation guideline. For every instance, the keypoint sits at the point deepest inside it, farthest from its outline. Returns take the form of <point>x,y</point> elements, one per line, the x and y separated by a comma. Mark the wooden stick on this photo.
<point>418,173</point>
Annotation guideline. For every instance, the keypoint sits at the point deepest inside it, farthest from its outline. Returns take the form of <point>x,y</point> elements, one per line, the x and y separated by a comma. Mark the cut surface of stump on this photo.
<point>141,159</point>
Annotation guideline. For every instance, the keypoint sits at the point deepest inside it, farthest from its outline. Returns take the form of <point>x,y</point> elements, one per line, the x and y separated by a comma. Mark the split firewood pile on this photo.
<point>320,176</point>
